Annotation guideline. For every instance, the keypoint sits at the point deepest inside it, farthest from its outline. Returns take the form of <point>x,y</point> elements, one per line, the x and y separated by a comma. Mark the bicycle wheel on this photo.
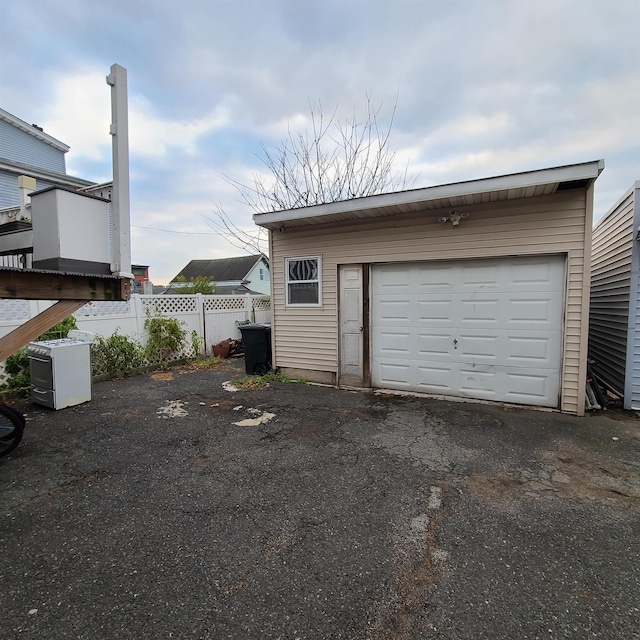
<point>11,429</point>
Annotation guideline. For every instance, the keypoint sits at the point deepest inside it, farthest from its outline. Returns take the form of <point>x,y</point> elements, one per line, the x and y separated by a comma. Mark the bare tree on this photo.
<point>329,162</point>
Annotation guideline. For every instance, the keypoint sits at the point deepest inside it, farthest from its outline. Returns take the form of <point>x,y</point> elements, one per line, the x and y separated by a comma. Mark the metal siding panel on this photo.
<point>17,145</point>
<point>610,294</point>
<point>9,194</point>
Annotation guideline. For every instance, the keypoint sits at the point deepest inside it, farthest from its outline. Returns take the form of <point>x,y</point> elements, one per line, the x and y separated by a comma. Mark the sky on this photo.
<point>480,88</point>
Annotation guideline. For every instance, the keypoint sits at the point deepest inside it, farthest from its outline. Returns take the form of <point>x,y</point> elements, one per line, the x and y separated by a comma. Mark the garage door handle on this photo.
<point>455,343</point>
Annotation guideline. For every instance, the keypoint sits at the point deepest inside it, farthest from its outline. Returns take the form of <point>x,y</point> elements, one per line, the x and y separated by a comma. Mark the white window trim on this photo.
<point>298,305</point>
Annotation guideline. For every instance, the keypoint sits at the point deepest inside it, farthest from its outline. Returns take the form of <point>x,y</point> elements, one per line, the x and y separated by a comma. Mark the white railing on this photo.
<point>9,214</point>
<point>213,318</point>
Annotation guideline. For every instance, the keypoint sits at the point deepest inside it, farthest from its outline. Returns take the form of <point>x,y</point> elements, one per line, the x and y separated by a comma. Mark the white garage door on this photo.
<point>487,329</point>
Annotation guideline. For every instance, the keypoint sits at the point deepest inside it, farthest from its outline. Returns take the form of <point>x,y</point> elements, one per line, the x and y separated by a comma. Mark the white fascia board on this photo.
<point>627,194</point>
<point>582,171</point>
<point>20,169</point>
<point>32,131</point>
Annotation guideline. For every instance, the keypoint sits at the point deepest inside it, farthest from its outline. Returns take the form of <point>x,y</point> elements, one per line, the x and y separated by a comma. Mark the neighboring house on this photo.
<point>614,328</point>
<point>26,150</point>
<point>140,276</point>
<point>140,272</point>
<point>30,161</point>
<point>476,289</point>
<point>244,274</point>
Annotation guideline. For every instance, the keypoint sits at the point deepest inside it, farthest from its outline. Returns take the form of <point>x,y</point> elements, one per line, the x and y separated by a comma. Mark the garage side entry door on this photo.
<point>485,329</point>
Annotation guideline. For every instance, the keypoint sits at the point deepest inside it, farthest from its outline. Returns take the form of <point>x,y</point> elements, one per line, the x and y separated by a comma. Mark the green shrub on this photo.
<point>167,339</point>
<point>116,356</point>
<point>60,330</point>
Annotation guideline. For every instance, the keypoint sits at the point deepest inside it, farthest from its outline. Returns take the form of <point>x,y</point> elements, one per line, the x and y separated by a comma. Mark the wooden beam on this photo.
<point>33,284</point>
<point>31,329</point>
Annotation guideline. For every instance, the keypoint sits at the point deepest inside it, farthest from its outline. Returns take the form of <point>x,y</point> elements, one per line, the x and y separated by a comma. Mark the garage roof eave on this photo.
<point>507,187</point>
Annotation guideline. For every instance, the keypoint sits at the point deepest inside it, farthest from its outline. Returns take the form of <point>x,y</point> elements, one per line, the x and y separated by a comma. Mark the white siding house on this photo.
<point>477,289</point>
<point>614,333</point>
<point>241,274</point>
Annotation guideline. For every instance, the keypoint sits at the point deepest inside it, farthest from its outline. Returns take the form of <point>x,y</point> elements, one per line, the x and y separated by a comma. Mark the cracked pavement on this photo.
<point>171,507</point>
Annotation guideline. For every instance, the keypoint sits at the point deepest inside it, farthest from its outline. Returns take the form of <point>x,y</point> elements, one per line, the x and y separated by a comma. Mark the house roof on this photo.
<point>458,194</point>
<point>33,130</point>
<point>220,270</point>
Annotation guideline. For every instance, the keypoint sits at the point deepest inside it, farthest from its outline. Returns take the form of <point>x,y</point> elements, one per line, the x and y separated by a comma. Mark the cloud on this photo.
<point>79,114</point>
<point>152,135</point>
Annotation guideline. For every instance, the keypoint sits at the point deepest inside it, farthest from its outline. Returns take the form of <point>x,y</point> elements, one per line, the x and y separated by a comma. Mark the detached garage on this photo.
<point>477,289</point>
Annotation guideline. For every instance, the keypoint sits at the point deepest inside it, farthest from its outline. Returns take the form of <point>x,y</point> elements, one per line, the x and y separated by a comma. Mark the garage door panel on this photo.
<point>393,280</point>
<point>432,279</point>
<point>433,311</point>
<point>434,378</point>
<point>540,351</point>
<point>510,348</point>
<point>393,309</point>
<point>394,373</point>
<point>536,387</point>
<point>478,348</point>
<point>395,343</point>
<point>478,382</point>
<point>434,345</point>
<point>488,329</point>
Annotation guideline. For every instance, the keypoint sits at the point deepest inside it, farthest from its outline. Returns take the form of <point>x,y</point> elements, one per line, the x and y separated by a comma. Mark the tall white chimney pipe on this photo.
<point>119,130</point>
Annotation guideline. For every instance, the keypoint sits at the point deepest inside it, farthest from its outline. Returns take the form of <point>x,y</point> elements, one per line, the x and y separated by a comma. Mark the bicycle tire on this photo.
<point>11,429</point>
<point>16,413</point>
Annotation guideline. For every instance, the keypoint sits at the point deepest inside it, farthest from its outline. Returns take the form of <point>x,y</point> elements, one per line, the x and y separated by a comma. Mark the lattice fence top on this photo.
<point>4,376</point>
<point>104,308</point>
<point>261,303</point>
<point>14,310</point>
<point>220,303</point>
<point>168,305</point>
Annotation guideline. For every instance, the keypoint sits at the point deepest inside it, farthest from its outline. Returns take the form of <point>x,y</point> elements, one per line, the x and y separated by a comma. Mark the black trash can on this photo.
<point>257,348</point>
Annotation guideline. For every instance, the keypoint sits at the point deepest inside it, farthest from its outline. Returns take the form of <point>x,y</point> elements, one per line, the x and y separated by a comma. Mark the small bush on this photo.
<point>167,339</point>
<point>116,356</point>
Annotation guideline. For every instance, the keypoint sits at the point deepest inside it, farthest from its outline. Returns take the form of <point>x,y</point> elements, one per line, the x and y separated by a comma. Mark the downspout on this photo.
<point>586,296</point>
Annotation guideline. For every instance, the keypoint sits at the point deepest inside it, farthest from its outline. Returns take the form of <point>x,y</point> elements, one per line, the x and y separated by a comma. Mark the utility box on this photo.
<point>257,348</point>
<point>70,231</point>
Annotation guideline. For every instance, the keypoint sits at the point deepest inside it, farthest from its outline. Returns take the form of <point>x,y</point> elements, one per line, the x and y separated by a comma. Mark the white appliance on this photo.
<point>61,370</point>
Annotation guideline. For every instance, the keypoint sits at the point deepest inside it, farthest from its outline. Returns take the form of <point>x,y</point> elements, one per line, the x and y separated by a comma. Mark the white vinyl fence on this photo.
<point>213,318</point>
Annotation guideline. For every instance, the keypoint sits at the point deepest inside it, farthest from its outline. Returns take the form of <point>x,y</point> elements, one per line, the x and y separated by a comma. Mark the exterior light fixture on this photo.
<point>454,217</point>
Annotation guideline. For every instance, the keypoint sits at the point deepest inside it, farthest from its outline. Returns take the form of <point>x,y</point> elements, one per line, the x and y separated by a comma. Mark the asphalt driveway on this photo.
<point>171,507</point>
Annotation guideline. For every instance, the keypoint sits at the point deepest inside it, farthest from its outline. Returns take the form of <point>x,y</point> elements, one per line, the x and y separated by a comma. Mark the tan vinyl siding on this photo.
<point>553,224</point>
<point>610,293</point>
